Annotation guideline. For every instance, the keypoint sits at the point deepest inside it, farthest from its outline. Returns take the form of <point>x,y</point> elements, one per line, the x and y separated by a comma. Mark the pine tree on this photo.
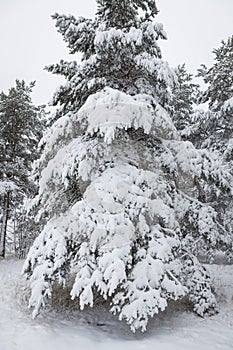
<point>219,77</point>
<point>213,129</point>
<point>183,98</point>
<point>218,95</point>
<point>116,182</point>
<point>20,129</point>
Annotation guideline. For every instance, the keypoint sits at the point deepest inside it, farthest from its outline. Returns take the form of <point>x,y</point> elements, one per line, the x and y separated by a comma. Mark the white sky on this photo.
<point>29,39</point>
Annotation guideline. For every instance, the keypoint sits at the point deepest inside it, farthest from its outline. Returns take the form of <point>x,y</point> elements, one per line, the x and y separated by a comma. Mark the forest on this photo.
<point>123,196</point>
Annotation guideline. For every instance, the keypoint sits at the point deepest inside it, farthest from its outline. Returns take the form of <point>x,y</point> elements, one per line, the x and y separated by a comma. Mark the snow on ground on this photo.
<point>174,329</point>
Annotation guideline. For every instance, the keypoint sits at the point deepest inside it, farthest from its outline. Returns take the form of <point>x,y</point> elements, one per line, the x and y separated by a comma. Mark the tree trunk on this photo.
<point>6,201</point>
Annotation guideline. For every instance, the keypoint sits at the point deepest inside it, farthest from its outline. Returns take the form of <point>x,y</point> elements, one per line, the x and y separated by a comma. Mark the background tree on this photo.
<point>116,182</point>
<point>219,77</point>
<point>21,126</point>
<point>213,129</point>
<point>215,126</point>
<point>184,97</point>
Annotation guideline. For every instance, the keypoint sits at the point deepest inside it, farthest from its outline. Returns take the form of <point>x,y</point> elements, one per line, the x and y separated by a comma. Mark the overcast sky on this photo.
<point>29,39</point>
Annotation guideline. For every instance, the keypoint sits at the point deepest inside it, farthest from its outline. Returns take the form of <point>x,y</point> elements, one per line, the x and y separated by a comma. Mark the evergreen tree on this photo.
<point>218,124</point>
<point>184,96</point>
<point>116,182</point>
<point>20,130</point>
<point>213,129</point>
<point>219,77</point>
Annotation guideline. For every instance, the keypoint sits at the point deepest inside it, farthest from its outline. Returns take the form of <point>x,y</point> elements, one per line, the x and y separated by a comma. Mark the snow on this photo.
<point>7,186</point>
<point>111,109</point>
<point>228,105</point>
<point>105,37</point>
<point>96,328</point>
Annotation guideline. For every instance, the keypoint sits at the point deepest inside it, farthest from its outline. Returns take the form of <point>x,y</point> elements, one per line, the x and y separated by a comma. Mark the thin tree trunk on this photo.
<point>6,201</point>
<point>14,228</point>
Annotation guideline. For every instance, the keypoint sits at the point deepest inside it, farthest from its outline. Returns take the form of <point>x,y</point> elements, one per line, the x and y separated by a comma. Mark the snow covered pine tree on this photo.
<point>219,122</point>
<point>111,174</point>
<point>183,98</point>
<point>213,130</point>
<point>21,125</point>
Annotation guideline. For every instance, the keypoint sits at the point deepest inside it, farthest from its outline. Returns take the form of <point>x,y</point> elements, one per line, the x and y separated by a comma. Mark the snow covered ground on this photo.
<point>175,329</point>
